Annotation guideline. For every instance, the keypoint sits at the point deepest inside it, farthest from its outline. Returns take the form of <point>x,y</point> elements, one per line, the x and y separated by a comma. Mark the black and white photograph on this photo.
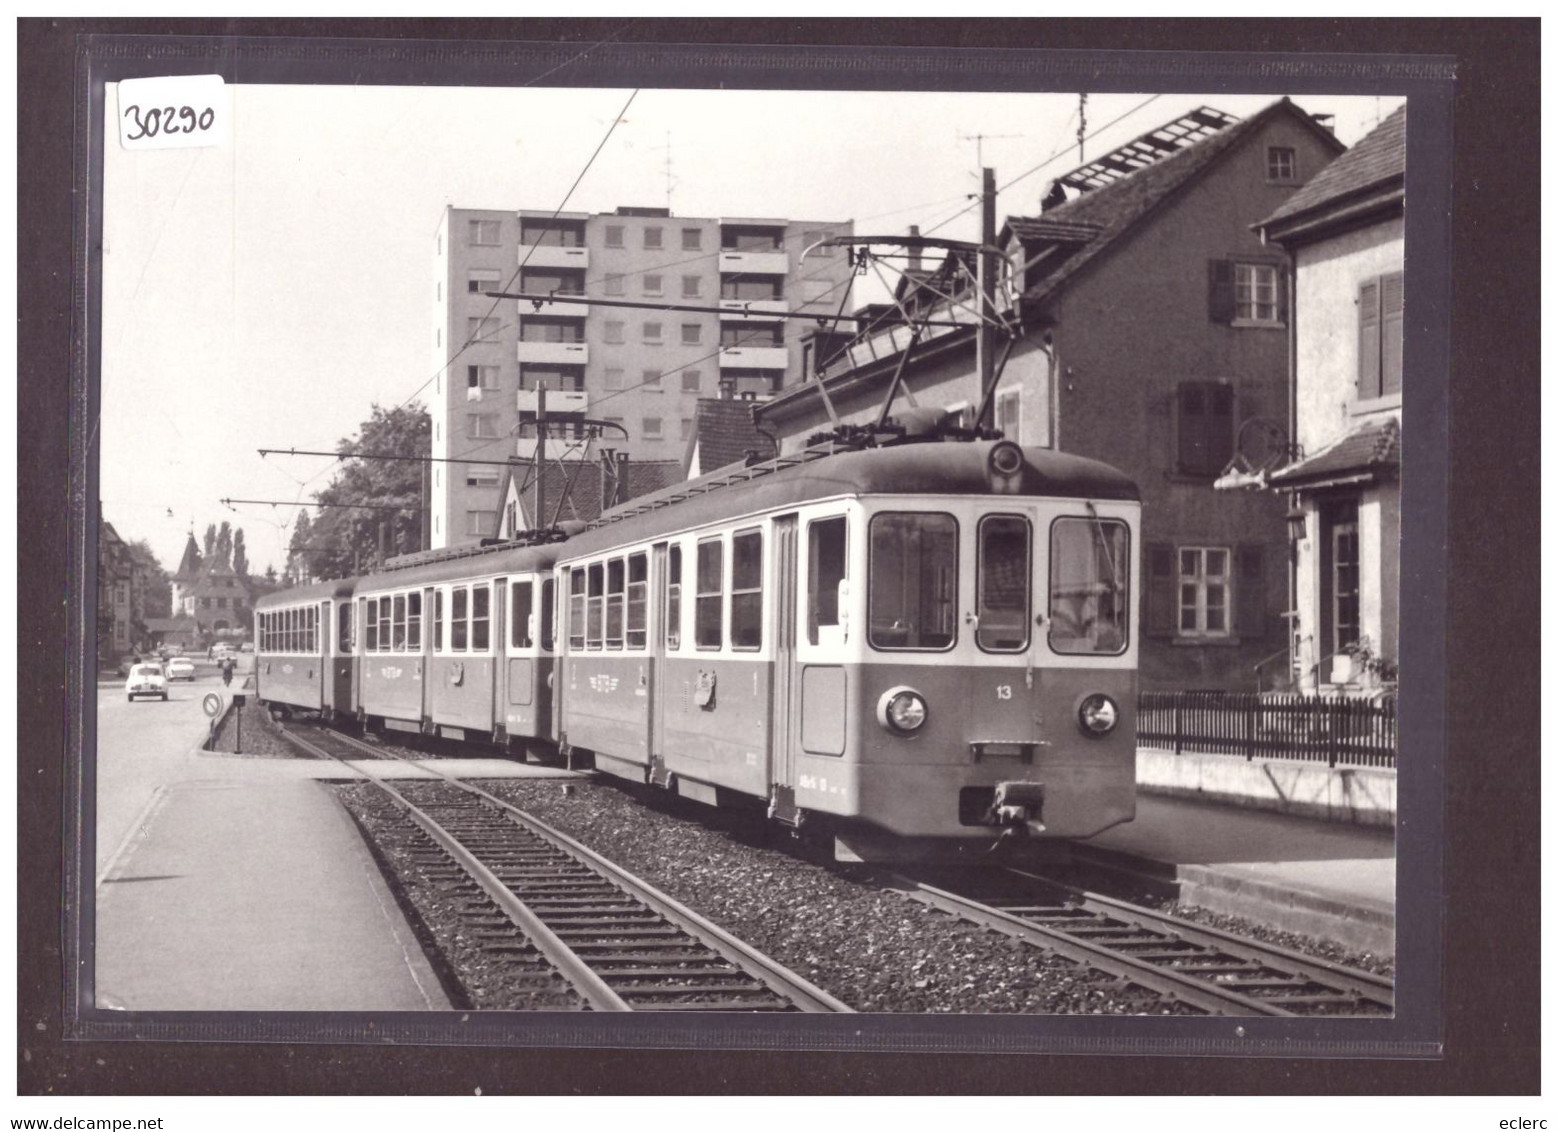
<point>600,563</point>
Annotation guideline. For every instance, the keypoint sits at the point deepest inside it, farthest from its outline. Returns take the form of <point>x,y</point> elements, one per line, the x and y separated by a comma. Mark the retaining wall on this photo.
<point>1363,795</point>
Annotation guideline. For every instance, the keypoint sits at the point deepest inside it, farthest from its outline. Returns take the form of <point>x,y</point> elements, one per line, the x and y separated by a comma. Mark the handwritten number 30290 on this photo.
<point>169,120</point>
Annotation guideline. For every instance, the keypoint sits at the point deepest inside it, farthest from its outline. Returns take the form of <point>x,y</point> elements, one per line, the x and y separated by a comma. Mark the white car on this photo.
<point>146,680</point>
<point>180,668</point>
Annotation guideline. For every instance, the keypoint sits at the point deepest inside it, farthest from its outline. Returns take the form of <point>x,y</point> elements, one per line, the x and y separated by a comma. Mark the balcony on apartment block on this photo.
<point>557,448</point>
<point>559,402</point>
<point>754,357</point>
<point>754,263</point>
<point>734,310</point>
<point>551,255</point>
<point>565,310</point>
<point>553,353</point>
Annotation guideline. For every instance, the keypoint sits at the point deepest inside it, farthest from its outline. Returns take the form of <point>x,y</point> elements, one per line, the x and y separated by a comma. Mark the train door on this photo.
<point>359,670</point>
<point>425,674</point>
<point>659,570</point>
<point>781,769</point>
<point>341,665</point>
<point>322,651</point>
<point>497,702</point>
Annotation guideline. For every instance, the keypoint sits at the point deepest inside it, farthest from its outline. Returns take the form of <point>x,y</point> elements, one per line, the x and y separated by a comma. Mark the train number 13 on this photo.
<point>1003,691</point>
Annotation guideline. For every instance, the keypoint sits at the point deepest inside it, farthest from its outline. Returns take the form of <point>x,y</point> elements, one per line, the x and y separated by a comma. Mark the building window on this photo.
<point>614,285</point>
<point>692,240</point>
<point>654,284</point>
<point>1254,292</point>
<point>1246,292</point>
<point>654,237</point>
<point>692,381</point>
<point>482,329</point>
<point>481,281</point>
<point>759,335</point>
<point>653,333</point>
<point>478,475</point>
<point>1380,314</point>
<point>484,233</point>
<point>1203,427</point>
<point>1204,585</point>
<point>613,377</point>
<point>481,426</point>
<point>692,286</point>
<point>1008,414</point>
<point>686,428</point>
<point>755,287</point>
<point>481,377</point>
<point>815,290</point>
<point>1281,164</point>
<point>615,333</point>
<point>692,334</point>
<point>532,329</point>
<point>652,428</point>
<point>651,381</point>
<point>1340,577</point>
<point>549,234</point>
<point>481,523</point>
<point>614,235</point>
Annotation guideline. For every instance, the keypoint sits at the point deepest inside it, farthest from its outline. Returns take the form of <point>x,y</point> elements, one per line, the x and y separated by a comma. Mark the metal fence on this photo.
<point>1339,732</point>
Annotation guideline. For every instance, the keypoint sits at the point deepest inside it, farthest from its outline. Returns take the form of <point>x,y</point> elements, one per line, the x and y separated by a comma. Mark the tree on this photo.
<point>240,555</point>
<point>298,548</point>
<point>224,547</point>
<point>210,540</point>
<point>370,503</point>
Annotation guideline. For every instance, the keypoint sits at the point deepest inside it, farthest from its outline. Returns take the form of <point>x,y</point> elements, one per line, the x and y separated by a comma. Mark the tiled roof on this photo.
<point>724,433</point>
<point>1115,209</point>
<point>1372,449</point>
<point>1046,228</point>
<point>1379,157</point>
<point>189,565</point>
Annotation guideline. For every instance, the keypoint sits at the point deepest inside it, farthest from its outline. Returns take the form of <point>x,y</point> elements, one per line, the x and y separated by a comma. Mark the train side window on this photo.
<point>597,606</point>
<point>638,601</point>
<point>912,581</point>
<point>709,632</point>
<point>746,590</point>
<point>371,626</point>
<point>414,622</point>
<point>1003,591</point>
<point>616,598</point>
<point>459,605</point>
<point>548,625</point>
<point>826,566</point>
<point>519,615</point>
<point>398,623</point>
<point>438,620</point>
<point>385,618</point>
<point>292,630</point>
<point>576,608</point>
<point>481,618</point>
<point>1089,585</point>
<point>673,598</point>
<point>343,637</point>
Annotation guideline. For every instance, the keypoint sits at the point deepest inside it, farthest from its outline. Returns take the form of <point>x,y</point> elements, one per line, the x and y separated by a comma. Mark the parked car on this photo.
<point>180,668</point>
<point>219,651</point>
<point>146,680</point>
<point>247,646</point>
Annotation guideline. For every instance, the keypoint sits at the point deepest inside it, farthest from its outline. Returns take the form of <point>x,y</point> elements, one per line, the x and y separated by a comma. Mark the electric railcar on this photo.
<point>927,644</point>
<point>924,641</point>
<point>300,661</point>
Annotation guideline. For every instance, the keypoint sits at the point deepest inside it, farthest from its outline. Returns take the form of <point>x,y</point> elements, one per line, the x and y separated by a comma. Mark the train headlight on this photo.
<point>902,710</point>
<point>1004,467</point>
<point>1097,715</point>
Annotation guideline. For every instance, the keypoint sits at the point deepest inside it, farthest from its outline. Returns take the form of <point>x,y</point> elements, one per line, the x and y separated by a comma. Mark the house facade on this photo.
<point>1152,337</point>
<point>1345,231</point>
<point>625,357</point>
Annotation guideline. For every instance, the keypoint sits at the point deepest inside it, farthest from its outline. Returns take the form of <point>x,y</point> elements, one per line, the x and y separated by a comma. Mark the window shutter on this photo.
<point>1158,593</point>
<point>1250,592</point>
<point>1282,293</point>
<point>1220,298</point>
<point>1219,429</point>
<point>1368,340</point>
<point>1391,316</point>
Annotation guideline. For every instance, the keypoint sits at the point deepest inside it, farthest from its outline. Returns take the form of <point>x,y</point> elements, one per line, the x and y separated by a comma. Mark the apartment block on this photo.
<point>639,314</point>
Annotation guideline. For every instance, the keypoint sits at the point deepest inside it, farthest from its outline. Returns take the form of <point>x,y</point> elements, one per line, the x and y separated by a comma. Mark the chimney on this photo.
<point>914,253</point>
<point>1054,198</point>
<point>1326,122</point>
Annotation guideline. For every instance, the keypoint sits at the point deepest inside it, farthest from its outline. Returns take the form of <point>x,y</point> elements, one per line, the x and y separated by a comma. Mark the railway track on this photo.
<point>582,932</point>
<point>1204,968</point>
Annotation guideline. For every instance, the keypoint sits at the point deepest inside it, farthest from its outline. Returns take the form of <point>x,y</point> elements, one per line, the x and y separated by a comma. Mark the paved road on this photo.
<point>145,745</point>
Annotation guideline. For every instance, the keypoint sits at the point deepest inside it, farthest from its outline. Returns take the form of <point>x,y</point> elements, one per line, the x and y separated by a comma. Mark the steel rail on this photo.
<point>589,985</point>
<point>1365,985</point>
<point>783,982</point>
<point>1169,984</point>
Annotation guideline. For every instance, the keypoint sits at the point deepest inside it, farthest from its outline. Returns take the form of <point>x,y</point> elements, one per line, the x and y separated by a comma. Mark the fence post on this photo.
<point>1250,718</point>
<point>1177,740</point>
<point>1330,731</point>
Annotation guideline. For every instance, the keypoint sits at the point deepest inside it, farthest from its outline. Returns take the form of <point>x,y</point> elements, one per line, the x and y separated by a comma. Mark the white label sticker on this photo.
<point>174,112</point>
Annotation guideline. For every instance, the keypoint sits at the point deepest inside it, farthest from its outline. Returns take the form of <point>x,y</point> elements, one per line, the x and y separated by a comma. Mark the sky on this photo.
<point>268,292</point>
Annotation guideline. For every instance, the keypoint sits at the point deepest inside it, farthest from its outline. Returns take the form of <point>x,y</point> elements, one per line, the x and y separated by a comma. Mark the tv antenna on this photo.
<point>979,144</point>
